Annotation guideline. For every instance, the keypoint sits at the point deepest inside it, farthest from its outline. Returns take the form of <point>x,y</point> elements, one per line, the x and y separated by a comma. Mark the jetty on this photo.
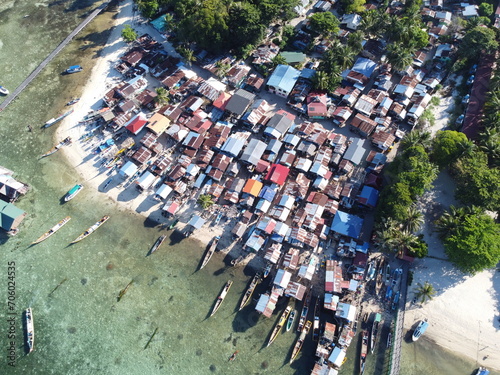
<point>53,54</point>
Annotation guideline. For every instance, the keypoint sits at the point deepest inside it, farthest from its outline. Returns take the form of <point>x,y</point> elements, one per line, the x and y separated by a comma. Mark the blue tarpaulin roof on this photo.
<point>284,77</point>
<point>347,224</point>
<point>364,66</point>
<point>368,196</point>
<point>267,193</point>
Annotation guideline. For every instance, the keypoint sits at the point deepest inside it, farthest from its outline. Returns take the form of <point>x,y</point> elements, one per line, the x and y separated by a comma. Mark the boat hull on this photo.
<point>282,321</point>
<point>52,230</point>
<point>249,292</point>
<point>30,330</point>
<point>91,230</point>
<point>221,297</point>
<point>73,192</point>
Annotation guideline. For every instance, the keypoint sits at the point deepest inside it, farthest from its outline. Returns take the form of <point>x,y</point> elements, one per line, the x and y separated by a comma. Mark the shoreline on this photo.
<point>450,313</point>
<point>103,77</point>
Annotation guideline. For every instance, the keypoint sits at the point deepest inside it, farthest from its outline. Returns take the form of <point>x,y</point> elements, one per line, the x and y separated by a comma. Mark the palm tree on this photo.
<point>467,148</point>
<point>354,41</point>
<point>222,68</point>
<point>413,220</point>
<point>345,56</point>
<point>491,147</point>
<point>161,96</point>
<point>399,57</point>
<point>320,80</point>
<point>205,201</point>
<point>425,292</point>
<point>188,55</point>
<point>416,137</point>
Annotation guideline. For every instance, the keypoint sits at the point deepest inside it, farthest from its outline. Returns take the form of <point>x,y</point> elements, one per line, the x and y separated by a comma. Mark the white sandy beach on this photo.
<point>464,315</point>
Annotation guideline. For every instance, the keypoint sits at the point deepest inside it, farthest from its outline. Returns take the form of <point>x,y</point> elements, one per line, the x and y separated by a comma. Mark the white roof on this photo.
<point>187,72</point>
<point>319,169</point>
<point>292,139</point>
<point>282,278</point>
<point>287,201</point>
<point>337,356</point>
<point>196,221</point>
<point>304,164</point>
<point>263,205</point>
<point>216,84</point>
<point>346,311</point>
<point>281,228</point>
<point>192,169</point>
<point>128,169</point>
<point>164,191</point>
<point>146,180</point>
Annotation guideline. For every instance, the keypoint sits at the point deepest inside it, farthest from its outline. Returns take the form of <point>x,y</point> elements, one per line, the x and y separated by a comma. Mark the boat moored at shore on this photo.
<point>364,352</point>
<point>74,69</point>
<point>52,230</point>
<point>73,192</point>
<point>249,292</point>
<point>65,142</point>
<point>305,310</point>
<point>375,329</point>
<point>73,101</point>
<point>91,230</point>
<point>4,91</point>
<point>221,297</point>
<point>279,326</point>
<point>53,121</point>
<point>291,319</point>
<point>420,330</point>
<point>157,244</point>
<point>210,251</point>
<point>300,341</point>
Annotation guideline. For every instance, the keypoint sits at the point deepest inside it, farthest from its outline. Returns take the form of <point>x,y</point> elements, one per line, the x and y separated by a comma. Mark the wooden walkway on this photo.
<point>398,330</point>
<point>49,58</point>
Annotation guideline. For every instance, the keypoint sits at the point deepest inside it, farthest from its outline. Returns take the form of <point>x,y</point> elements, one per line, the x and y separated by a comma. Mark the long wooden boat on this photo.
<point>316,323</point>
<point>66,141</point>
<point>249,292</point>
<point>210,251</point>
<point>300,341</point>
<point>291,319</point>
<point>279,326</point>
<point>30,330</point>
<point>375,328</point>
<point>157,244</point>
<point>53,121</point>
<point>305,310</point>
<point>221,296</point>
<point>73,192</point>
<point>52,230</point>
<point>364,352</point>
<point>91,230</point>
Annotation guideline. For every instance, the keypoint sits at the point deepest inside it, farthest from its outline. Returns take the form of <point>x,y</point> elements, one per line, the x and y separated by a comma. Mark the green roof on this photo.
<point>8,214</point>
<point>293,57</point>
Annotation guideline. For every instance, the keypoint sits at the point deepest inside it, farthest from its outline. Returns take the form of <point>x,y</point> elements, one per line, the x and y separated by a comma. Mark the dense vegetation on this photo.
<point>471,238</point>
<point>217,25</point>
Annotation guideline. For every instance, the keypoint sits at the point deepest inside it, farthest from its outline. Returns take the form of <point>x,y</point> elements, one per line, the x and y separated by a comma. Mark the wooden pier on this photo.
<point>53,54</point>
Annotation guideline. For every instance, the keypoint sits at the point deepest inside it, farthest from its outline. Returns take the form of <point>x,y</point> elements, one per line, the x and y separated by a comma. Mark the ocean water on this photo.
<point>81,328</point>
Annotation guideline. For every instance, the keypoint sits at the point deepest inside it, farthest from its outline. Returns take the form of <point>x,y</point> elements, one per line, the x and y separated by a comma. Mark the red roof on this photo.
<point>278,174</point>
<point>136,124</point>
<point>221,101</point>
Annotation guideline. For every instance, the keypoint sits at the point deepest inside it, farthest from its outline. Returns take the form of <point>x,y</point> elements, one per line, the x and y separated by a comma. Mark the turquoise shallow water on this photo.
<point>80,327</point>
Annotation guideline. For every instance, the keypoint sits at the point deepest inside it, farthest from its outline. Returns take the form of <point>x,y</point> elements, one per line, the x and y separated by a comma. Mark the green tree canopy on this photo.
<point>485,9</point>
<point>129,34</point>
<point>447,147</point>
<point>354,6</point>
<point>477,182</point>
<point>477,40</point>
<point>475,244</point>
<point>324,23</point>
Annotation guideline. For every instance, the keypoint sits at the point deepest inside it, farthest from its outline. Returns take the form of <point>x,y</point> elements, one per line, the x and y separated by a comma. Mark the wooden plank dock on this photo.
<point>53,54</point>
